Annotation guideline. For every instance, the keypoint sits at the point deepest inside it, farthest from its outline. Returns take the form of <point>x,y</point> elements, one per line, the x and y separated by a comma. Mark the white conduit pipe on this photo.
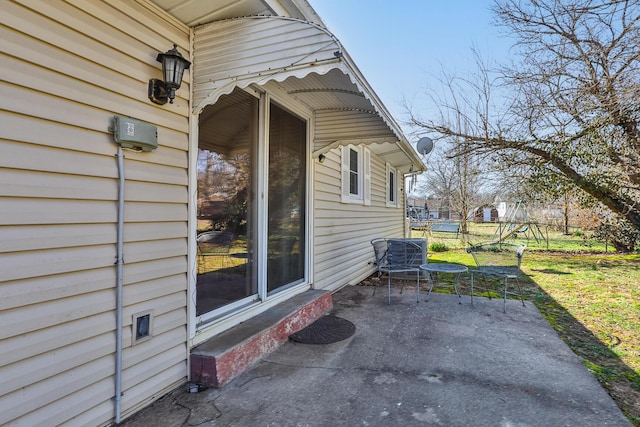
<point>119,263</point>
<point>405,206</point>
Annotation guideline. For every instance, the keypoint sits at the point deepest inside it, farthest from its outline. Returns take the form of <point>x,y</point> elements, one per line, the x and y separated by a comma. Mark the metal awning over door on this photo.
<point>310,64</point>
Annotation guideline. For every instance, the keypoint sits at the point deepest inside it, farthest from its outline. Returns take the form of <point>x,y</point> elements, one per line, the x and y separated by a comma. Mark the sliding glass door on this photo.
<point>251,237</point>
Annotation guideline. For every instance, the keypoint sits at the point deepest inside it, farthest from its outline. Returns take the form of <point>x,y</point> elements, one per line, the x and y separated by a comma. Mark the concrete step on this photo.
<point>222,358</point>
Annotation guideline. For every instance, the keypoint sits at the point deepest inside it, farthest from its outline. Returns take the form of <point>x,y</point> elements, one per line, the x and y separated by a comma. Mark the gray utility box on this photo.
<point>134,134</point>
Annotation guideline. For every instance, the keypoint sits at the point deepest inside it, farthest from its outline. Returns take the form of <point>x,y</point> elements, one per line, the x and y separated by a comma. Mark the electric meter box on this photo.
<point>134,134</point>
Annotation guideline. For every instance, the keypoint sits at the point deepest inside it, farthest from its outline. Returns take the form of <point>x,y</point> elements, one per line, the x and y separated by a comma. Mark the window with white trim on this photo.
<point>392,186</point>
<point>356,174</point>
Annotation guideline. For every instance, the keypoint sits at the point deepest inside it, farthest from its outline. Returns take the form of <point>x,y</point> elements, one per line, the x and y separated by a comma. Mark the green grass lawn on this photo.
<point>591,298</point>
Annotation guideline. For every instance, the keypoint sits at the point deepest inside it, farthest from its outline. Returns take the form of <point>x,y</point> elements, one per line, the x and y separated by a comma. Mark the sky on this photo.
<point>402,46</point>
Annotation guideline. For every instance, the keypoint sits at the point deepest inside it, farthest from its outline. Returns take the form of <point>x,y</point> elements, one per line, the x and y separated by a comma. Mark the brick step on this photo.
<point>222,358</point>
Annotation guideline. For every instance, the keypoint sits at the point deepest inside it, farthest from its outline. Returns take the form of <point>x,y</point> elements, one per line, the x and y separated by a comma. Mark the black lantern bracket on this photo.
<point>173,66</point>
<point>158,92</point>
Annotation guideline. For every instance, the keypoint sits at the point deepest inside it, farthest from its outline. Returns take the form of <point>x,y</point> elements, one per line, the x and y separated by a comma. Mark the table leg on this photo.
<point>430,285</point>
<point>433,277</point>
<point>455,286</point>
<point>472,288</point>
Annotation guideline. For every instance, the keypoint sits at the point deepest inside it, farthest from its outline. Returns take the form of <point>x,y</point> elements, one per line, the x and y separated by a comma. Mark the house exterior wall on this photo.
<point>343,231</point>
<point>66,68</point>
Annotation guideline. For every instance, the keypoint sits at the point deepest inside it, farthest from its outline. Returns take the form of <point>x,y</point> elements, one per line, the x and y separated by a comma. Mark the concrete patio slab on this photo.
<point>436,363</point>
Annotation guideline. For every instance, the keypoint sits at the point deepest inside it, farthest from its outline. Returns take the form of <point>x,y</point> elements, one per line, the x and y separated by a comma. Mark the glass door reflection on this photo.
<point>226,261</point>
<point>286,201</point>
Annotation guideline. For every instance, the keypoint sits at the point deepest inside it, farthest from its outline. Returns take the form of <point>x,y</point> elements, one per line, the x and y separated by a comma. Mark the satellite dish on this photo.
<point>424,146</point>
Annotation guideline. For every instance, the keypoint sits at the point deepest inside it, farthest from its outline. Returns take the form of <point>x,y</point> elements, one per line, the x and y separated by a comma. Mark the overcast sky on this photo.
<point>402,45</point>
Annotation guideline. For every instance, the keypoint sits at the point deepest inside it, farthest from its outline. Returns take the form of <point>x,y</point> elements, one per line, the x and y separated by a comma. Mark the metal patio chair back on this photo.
<point>380,253</point>
<point>499,260</point>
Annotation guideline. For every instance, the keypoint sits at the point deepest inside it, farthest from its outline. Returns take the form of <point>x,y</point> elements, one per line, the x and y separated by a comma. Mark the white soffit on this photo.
<point>196,12</point>
<point>310,64</point>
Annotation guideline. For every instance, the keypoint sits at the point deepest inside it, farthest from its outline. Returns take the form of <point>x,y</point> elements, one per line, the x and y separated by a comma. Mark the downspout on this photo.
<point>119,263</point>
<point>405,193</point>
<point>404,210</point>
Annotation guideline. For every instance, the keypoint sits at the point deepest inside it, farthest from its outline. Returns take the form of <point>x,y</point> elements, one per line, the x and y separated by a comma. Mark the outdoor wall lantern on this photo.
<point>173,66</point>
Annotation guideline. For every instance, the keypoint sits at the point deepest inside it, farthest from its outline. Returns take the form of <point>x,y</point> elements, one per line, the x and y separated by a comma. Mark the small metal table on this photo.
<point>435,268</point>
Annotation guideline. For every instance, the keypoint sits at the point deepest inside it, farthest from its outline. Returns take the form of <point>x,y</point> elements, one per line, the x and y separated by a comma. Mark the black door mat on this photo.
<point>325,330</point>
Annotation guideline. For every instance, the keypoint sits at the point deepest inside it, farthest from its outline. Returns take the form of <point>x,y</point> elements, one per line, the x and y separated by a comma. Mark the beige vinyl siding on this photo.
<point>67,67</point>
<point>343,231</point>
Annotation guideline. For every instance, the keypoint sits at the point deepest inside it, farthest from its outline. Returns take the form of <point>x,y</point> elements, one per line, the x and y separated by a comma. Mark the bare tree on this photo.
<point>460,176</point>
<point>438,181</point>
<point>459,182</point>
<point>468,185</point>
<point>570,103</point>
